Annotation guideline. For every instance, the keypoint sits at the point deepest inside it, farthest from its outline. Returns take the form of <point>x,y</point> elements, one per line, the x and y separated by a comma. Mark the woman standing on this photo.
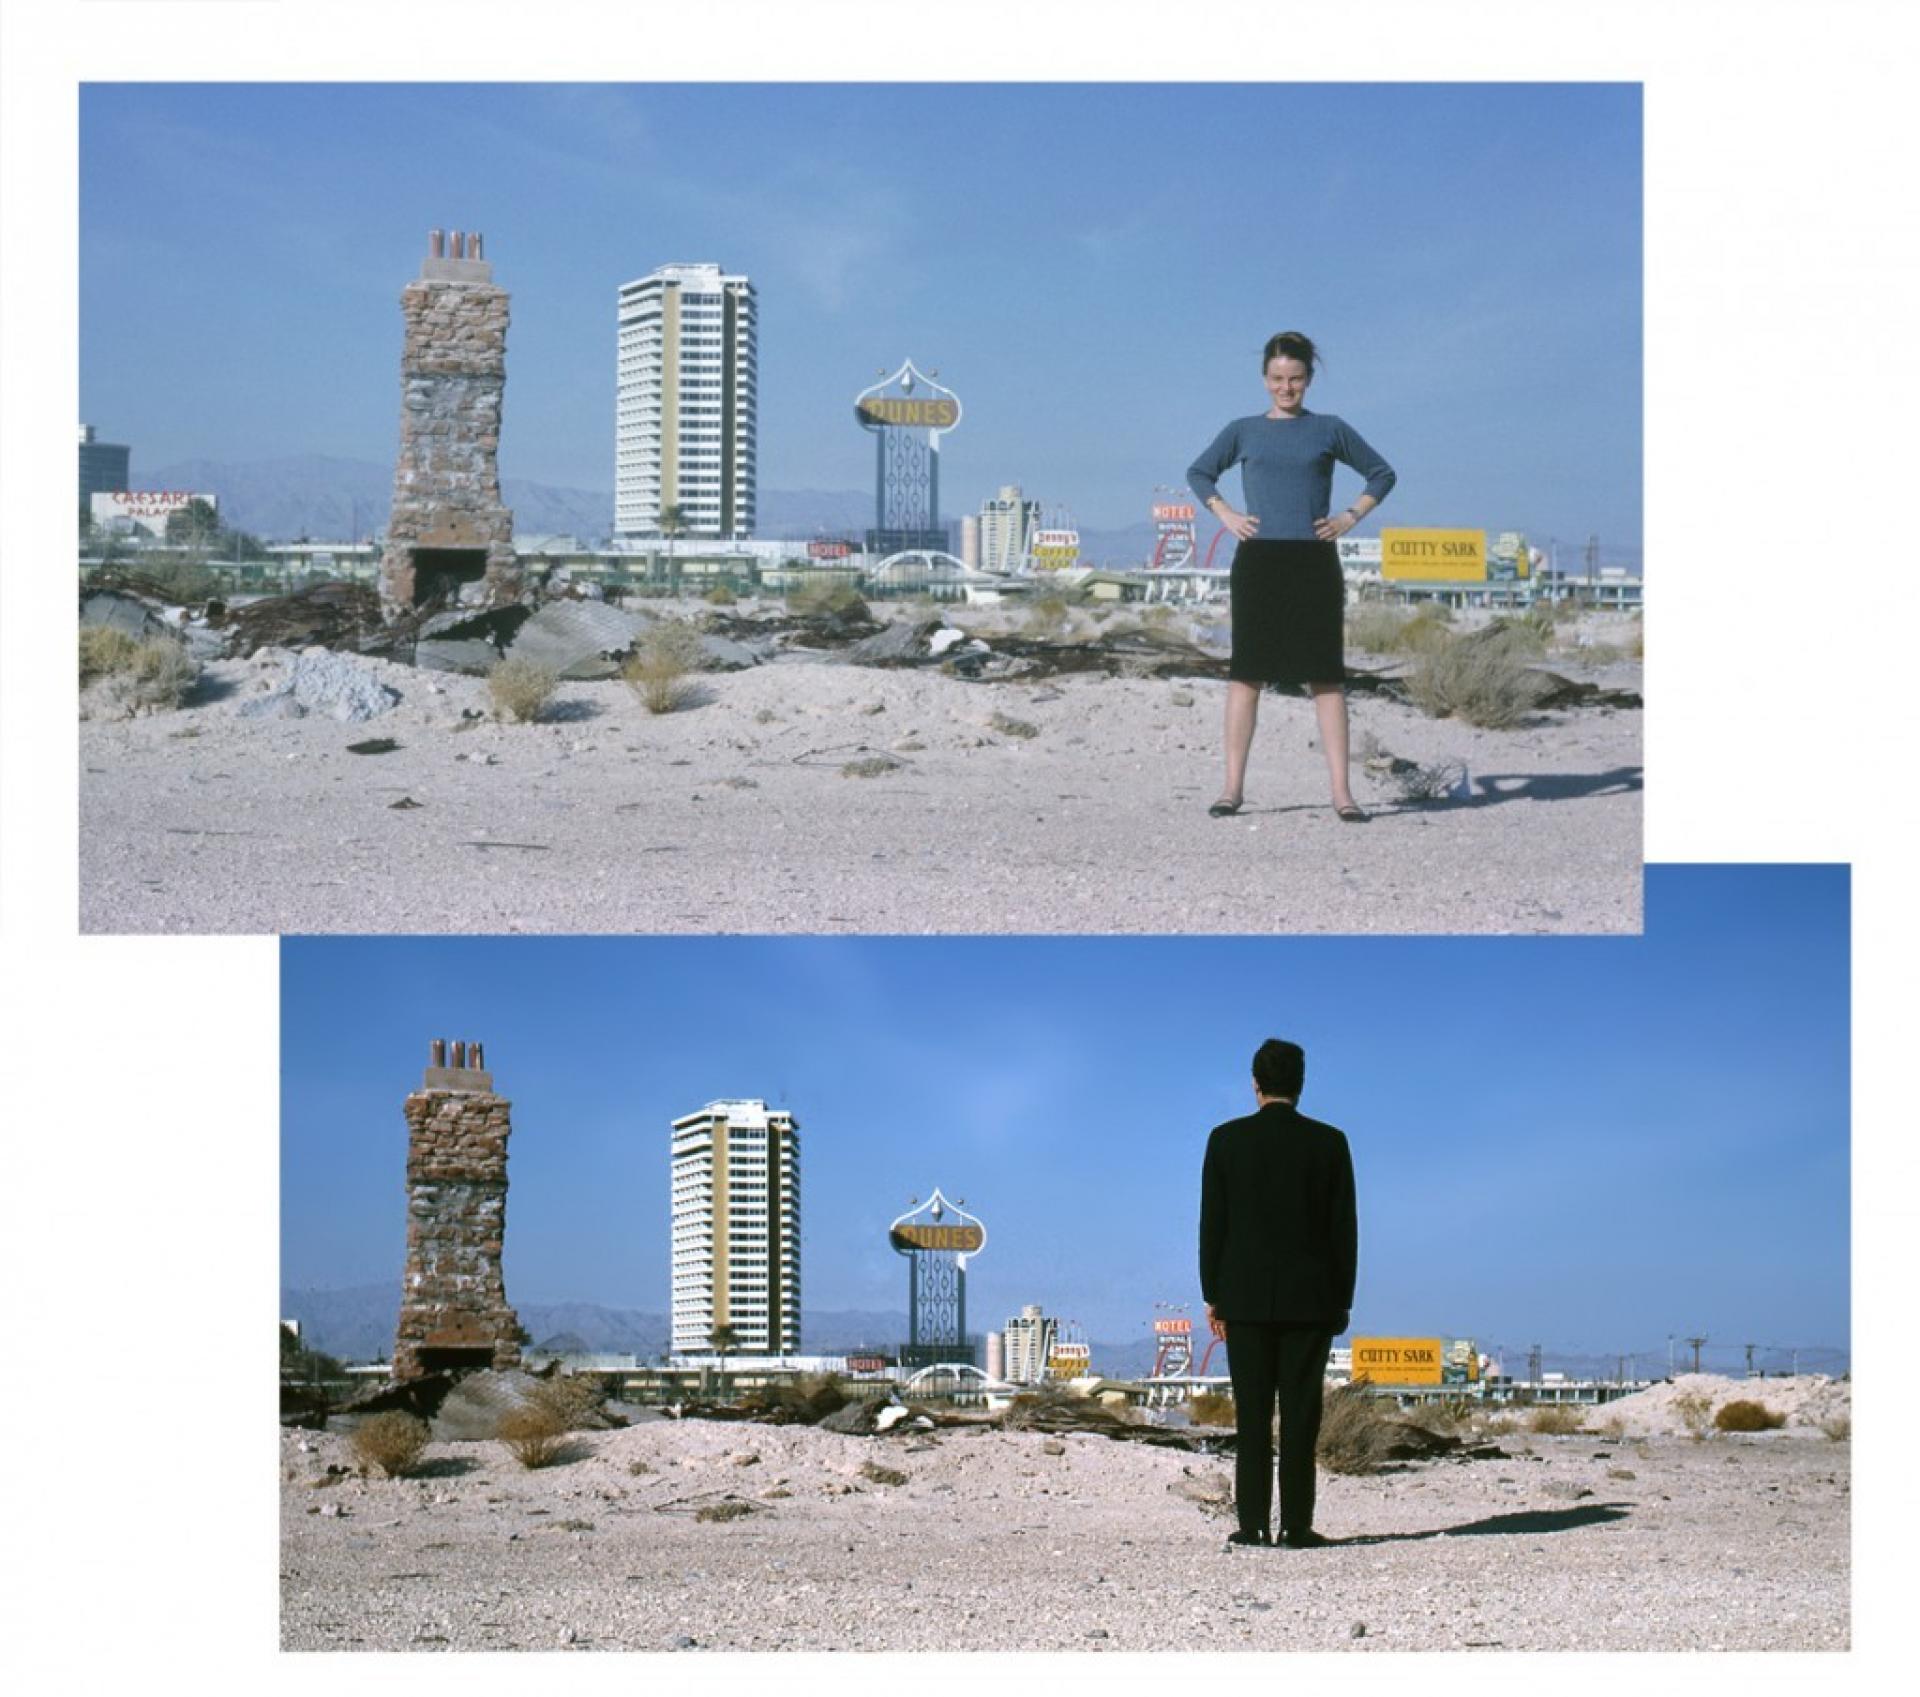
<point>1289,598</point>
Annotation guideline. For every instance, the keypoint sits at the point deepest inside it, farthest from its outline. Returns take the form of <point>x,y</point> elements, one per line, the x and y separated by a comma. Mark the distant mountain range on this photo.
<point>324,499</point>
<point>357,1324</point>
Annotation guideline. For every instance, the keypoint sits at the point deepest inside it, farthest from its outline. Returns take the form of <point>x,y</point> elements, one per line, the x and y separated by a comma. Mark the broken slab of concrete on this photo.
<point>579,639</point>
<point>905,642</point>
<point>723,654</point>
<point>467,640</point>
<point>130,614</point>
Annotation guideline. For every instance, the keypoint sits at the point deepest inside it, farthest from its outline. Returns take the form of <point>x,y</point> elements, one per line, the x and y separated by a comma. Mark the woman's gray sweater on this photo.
<point>1288,469</point>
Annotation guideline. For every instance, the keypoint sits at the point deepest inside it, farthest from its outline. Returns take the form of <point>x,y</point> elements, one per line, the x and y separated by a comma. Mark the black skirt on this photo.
<point>1289,611</point>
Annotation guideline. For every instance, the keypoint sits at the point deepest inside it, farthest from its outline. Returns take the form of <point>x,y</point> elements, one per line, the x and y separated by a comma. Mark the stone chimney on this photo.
<point>453,1303</point>
<point>450,536</point>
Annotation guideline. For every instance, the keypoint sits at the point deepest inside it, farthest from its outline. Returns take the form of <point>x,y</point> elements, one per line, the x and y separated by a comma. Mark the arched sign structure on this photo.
<point>907,414</point>
<point>938,1238</point>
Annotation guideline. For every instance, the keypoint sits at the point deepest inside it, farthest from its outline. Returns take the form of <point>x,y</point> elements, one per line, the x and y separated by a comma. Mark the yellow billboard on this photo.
<point>1399,1361</point>
<point>1449,556</point>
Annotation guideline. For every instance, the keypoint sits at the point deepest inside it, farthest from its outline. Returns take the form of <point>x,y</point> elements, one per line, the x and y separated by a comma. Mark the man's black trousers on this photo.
<point>1283,1366</point>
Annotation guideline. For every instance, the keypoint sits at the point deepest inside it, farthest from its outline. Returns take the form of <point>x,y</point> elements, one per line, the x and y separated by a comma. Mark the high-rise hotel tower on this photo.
<point>687,404</point>
<point>736,1229</point>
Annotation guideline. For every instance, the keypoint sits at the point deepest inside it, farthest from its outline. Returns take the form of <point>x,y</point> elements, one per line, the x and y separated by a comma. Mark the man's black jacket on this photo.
<point>1279,1240</point>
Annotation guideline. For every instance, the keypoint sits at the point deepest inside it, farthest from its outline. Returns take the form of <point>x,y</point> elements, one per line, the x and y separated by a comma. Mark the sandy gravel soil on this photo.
<point>1019,1541</point>
<point>735,815</point>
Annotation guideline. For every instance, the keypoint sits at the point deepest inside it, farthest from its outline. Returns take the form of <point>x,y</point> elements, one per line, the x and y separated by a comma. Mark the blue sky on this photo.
<point>1590,1143</point>
<point>1092,268</point>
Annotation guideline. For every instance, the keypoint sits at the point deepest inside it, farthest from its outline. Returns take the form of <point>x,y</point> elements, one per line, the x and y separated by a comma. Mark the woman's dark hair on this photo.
<point>1291,344</point>
<point>1280,1067</point>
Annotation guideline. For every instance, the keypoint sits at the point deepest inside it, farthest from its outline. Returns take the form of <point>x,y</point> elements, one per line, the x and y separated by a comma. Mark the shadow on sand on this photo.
<point>1526,1523</point>
<point>1493,788</point>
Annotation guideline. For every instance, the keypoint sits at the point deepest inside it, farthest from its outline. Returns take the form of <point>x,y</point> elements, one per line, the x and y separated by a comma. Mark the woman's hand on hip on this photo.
<point>1329,529</point>
<point>1215,1324</point>
<point>1243,526</point>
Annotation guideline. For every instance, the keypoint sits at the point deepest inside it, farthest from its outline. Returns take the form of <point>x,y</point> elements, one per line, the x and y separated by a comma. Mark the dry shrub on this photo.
<point>104,650</point>
<point>827,598</point>
<point>1008,726</point>
<point>1448,1417</point>
<point>535,1433</point>
<point>872,1470</point>
<point>573,1399</point>
<point>732,1508</point>
<point>720,595</point>
<point>391,1442</point>
<point>520,689</point>
<point>1612,1427</point>
<point>1531,633</point>
<point>1695,1409</point>
<point>1838,1427</point>
<point>1425,632</point>
<point>1475,678</point>
<point>182,580</point>
<point>1356,1430</point>
<point>149,672</point>
<point>1046,615</point>
<point>1556,1419</point>
<point>1375,628</point>
<point>1598,654</point>
<point>1211,1408</point>
<point>663,660</point>
<point>1743,1416</point>
<point>872,766</point>
<point>1435,782</point>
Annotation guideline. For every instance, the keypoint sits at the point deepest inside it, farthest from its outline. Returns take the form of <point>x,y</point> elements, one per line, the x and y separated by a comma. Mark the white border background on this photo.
<point>140,1075</point>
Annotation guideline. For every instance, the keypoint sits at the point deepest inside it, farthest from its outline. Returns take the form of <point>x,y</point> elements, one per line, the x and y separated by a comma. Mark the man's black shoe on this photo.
<point>1308,1540</point>
<point>1247,1541</point>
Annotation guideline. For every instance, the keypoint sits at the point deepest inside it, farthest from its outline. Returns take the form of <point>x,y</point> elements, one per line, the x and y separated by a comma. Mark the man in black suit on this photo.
<point>1279,1243</point>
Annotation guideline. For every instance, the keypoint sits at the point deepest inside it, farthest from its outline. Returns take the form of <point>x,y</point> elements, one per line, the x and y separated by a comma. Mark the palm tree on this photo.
<point>723,1339</point>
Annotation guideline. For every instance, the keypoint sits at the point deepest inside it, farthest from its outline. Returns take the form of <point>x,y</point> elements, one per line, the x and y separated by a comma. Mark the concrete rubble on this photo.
<point>314,681</point>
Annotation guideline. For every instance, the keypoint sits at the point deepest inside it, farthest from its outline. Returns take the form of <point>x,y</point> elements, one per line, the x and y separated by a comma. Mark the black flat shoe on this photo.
<point>1308,1540</point>
<point>1247,1541</point>
<point>1224,809</point>
<point>1353,814</point>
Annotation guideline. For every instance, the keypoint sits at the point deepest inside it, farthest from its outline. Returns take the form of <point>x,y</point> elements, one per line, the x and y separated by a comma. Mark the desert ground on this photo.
<point>810,794</point>
<point>1004,1540</point>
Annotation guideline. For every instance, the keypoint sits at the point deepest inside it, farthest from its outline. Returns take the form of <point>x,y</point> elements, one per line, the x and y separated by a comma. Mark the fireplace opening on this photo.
<point>438,573</point>
<point>446,1360</point>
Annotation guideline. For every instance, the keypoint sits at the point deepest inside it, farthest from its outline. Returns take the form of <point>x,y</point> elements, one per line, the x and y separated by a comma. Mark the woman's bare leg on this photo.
<point>1243,710</point>
<point>1330,708</point>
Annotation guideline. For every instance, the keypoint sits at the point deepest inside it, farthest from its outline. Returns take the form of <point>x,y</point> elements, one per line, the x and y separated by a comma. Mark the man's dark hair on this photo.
<point>1279,1068</point>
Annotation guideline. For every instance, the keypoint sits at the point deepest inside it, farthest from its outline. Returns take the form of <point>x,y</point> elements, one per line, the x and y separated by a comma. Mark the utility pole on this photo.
<point>1694,1344</point>
<point>1593,563</point>
<point>1533,1364</point>
<point>1749,1349</point>
<point>1669,1355</point>
<point>1620,1370</point>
